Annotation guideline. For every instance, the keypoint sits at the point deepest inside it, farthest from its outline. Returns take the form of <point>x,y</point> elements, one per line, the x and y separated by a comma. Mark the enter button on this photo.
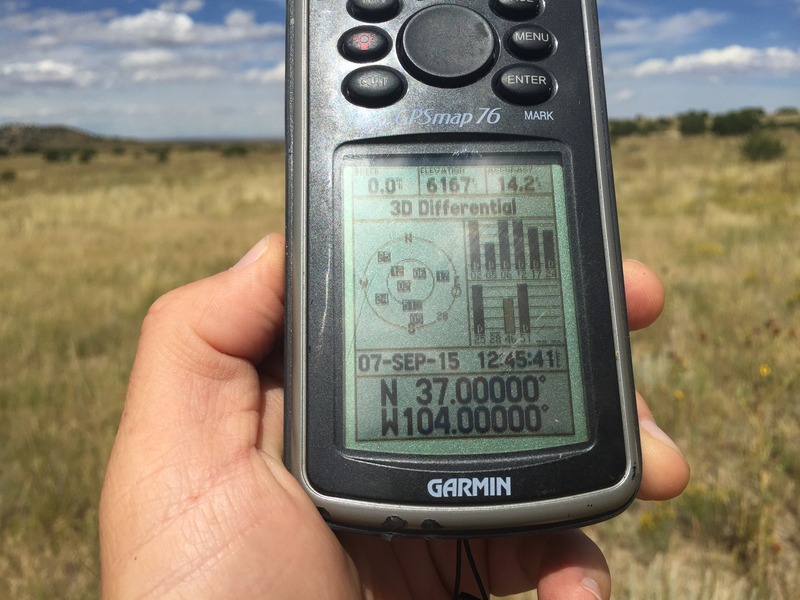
<point>524,85</point>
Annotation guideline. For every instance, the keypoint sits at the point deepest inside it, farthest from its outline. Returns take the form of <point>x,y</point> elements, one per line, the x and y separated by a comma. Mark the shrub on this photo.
<point>762,146</point>
<point>738,122</point>
<point>87,155</point>
<point>235,151</point>
<point>58,155</point>
<point>618,129</point>
<point>648,126</point>
<point>8,176</point>
<point>693,123</point>
<point>639,126</point>
<point>161,153</point>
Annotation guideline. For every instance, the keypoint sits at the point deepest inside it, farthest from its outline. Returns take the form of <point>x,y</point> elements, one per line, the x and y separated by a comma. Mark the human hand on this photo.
<point>197,502</point>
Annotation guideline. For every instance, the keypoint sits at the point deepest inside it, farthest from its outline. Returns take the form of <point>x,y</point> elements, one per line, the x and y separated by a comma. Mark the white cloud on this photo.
<point>274,75</point>
<point>144,68</point>
<point>647,30</point>
<point>149,27</point>
<point>182,73</point>
<point>154,26</point>
<point>55,22</point>
<point>625,95</point>
<point>47,72</point>
<point>187,6</point>
<point>176,28</point>
<point>240,19</point>
<point>733,59</point>
<point>45,41</point>
<point>147,58</point>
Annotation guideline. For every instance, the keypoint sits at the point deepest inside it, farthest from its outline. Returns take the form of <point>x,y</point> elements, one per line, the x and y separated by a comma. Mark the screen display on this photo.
<point>460,333</point>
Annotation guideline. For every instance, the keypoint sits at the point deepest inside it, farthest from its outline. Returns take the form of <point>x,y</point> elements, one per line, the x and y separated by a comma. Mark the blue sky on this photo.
<point>203,68</point>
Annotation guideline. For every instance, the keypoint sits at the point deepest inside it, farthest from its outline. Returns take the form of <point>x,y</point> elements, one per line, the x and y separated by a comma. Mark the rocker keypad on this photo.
<point>448,46</point>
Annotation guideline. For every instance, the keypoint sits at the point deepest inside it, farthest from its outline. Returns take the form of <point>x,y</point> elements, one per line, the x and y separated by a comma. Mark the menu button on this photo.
<point>531,42</point>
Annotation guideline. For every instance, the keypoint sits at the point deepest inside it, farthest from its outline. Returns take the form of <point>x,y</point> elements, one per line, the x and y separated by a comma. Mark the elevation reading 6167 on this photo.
<point>459,323</point>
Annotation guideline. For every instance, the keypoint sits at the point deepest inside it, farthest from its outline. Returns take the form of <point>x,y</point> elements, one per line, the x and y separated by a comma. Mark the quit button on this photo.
<point>374,87</point>
<point>525,85</point>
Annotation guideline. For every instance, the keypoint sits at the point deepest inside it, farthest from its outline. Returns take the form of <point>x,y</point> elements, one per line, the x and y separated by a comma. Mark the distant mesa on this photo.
<point>24,138</point>
<point>18,137</point>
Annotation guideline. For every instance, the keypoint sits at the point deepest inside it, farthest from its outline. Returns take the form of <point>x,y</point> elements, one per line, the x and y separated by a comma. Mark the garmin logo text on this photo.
<point>459,487</point>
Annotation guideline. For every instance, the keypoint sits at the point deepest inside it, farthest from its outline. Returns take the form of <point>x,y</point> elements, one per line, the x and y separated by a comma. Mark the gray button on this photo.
<point>374,87</point>
<point>530,42</point>
<point>525,85</point>
<point>374,11</point>
<point>448,46</point>
<point>517,10</point>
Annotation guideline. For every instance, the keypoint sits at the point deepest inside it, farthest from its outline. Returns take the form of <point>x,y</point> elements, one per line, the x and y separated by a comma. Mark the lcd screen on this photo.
<point>460,328</point>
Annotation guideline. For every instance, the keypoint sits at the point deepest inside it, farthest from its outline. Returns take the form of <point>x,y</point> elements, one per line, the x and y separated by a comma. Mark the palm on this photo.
<point>403,569</point>
<point>407,569</point>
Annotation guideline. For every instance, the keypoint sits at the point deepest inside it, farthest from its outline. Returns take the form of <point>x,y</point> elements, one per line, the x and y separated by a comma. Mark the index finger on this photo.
<point>644,294</point>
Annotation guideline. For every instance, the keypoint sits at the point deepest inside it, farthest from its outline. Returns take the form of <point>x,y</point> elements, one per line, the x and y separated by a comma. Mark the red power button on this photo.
<point>365,40</point>
<point>364,44</point>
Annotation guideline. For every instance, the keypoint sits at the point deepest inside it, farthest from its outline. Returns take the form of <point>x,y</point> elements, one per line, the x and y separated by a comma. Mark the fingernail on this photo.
<point>633,261</point>
<point>253,254</point>
<point>591,586</point>
<point>654,430</point>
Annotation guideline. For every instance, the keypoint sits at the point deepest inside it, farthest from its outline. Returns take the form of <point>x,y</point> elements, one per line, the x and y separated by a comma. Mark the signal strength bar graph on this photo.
<point>512,244</point>
<point>514,309</point>
<point>514,281</point>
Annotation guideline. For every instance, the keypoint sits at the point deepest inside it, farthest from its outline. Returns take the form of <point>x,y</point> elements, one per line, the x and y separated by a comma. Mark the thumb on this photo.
<point>200,343</point>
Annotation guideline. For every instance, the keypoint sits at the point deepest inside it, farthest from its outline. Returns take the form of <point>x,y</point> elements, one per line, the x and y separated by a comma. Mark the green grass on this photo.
<point>86,248</point>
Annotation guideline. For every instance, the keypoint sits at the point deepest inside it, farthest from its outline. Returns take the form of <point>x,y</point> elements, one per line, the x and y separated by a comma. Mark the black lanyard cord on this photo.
<point>457,593</point>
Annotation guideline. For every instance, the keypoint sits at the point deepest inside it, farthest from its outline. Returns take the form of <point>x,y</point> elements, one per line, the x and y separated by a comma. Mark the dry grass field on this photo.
<point>85,249</point>
<point>721,368</point>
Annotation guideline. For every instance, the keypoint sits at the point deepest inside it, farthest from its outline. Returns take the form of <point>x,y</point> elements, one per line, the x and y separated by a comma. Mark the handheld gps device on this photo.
<point>457,346</point>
